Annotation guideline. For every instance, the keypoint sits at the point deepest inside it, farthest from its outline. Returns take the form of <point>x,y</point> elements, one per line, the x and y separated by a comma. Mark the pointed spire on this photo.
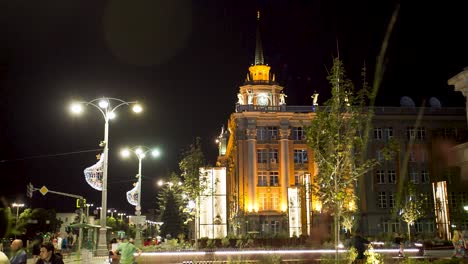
<point>258,48</point>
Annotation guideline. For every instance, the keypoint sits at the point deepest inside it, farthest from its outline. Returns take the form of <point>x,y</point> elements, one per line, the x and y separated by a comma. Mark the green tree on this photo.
<point>337,140</point>
<point>39,220</point>
<point>412,207</point>
<point>193,159</point>
<point>170,201</point>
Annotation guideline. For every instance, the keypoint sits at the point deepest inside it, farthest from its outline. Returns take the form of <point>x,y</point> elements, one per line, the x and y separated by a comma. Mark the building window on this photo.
<point>395,227</point>
<point>430,227</point>
<point>382,200</point>
<point>385,227</point>
<point>419,226</point>
<point>380,156</point>
<point>274,179</point>
<point>300,156</point>
<point>391,200</point>
<point>262,155</point>
<point>452,199</point>
<point>273,155</point>
<point>298,133</point>
<point>424,176</point>
<point>298,177</point>
<point>378,133</point>
<point>391,177</point>
<point>411,133</point>
<point>262,178</point>
<point>265,228</point>
<point>262,201</point>
<point>421,135</point>
<point>389,132</point>
<point>275,227</point>
<point>261,133</point>
<point>414,176</point>
<point>275,201</point>
<point>272,133</point>
<point>380,177</point>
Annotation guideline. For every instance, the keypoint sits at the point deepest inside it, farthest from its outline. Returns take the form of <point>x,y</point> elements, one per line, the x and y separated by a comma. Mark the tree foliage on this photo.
<point>171,205</point>
<point>38,220</point>
<point>336,138</point>
<point>411,207</point>
<point>193,159</point>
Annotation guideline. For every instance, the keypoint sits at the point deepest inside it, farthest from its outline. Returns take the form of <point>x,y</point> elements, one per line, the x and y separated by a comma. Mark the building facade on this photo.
<point>269,165</point>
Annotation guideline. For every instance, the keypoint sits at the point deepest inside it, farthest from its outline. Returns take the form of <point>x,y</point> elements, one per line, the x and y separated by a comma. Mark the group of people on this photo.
<point>47,254</point>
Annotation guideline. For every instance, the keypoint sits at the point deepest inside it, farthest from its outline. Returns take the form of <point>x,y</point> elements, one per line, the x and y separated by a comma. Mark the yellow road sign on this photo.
<point>43,190</point>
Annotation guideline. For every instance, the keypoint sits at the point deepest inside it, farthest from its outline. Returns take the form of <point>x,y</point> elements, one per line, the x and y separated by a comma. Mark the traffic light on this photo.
<point>80,203</point>
<point>29,190</point>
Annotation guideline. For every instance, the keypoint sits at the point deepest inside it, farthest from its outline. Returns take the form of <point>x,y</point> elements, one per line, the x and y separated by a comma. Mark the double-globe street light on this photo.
<point>140,152</point>
<point>108,107</point>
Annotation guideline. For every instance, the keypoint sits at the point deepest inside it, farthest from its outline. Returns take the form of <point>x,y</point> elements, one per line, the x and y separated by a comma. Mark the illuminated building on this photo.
<point>269,165</point>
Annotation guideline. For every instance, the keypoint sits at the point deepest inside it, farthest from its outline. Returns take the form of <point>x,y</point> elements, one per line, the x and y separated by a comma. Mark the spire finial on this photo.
<point>258,47</point>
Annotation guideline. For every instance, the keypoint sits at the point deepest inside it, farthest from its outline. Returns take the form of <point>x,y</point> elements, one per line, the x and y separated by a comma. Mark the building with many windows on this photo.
<point>269,165</point>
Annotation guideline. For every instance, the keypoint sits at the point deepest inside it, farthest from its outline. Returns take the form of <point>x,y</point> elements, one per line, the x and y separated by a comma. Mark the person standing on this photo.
<point>18,255</point>
<point>360,244</point>
<point>47,255</point>
<point>36,245</point>
<point>458,244</point>
<point>127,251</point>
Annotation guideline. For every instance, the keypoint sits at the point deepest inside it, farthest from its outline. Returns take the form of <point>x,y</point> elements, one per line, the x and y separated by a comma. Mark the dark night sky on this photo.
<point>184,60</point>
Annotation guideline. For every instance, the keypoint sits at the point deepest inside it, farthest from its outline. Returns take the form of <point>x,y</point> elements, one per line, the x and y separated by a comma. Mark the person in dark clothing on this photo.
<point>47,255</point>
<point>36,245</point>
<point>360,244</point>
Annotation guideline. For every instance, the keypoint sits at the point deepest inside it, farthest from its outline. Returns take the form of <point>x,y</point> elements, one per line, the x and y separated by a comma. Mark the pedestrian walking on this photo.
<point>458,244</point>
<point>360,244</point>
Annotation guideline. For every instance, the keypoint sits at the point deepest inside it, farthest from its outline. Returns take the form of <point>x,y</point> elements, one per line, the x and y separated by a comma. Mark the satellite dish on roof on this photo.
<point>406,101</point>
<point>434,103</point>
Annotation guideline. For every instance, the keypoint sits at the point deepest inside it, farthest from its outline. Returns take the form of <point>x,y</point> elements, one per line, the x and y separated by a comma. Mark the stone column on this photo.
<point>284,165</point>
<point>252,166</point>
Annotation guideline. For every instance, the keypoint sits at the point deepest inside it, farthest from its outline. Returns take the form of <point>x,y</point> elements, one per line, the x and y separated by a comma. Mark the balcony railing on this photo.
<point>383,110</point>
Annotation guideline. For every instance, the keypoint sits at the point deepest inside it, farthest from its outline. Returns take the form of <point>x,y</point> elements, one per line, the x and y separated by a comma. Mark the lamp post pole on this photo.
<point>17,210</point>
<point>140,152</point>
<point>108,112</point>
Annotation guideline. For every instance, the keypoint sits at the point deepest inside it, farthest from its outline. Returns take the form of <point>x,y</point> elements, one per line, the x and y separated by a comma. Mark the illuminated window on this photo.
<point>272,133</point>
<point>297,177</point>
<point>300,156</point>
<point>411,133</point>
<point>380,177</point>
<point>391,177</point>
<point>298,133</point>
<point>262,178</point>
<point>421,133</point>
<point>378,133</point>
<point>261,133</point>
<point>262,155</point>
<point>273,155</point>
<point>274,178</point>
<point>262,201</point>
<point>382,200</point>
<point>265,226</point>
<point>275,201</point>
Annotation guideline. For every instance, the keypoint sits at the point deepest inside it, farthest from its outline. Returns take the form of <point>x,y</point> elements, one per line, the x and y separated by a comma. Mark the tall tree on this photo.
<point>193,159</point>
<point>171,207</point>
<point>337,140</point>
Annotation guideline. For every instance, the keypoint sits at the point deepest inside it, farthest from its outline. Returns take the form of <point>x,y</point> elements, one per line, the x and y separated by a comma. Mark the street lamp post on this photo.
<point>87,212</point>
<point>108,111</point>
<point>140,152</point>
<point>121,216</point>
<point>17,205</point>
